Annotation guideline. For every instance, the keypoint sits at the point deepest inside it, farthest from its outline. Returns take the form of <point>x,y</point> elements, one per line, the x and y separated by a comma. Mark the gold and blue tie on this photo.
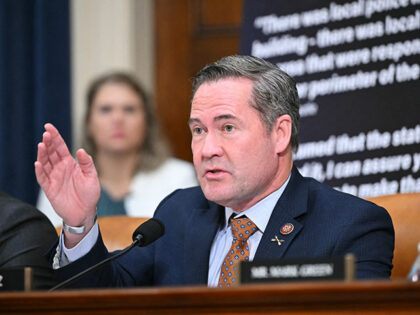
<point>242,229</point>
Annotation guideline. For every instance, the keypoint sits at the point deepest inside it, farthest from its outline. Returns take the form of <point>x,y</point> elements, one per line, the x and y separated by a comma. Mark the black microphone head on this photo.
<point>149,232</point>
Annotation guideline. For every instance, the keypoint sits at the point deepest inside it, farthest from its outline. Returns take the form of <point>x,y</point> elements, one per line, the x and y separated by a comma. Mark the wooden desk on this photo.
<point>391,297</point>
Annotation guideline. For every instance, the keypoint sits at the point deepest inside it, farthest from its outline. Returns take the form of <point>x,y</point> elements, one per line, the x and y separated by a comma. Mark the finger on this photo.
<point>41,176</point>
<point>86,163</point>
<point>50,148</point>
<point>51,155</point>
<point>42,158</point>
<point>57,142</point>
<point>47,169</point>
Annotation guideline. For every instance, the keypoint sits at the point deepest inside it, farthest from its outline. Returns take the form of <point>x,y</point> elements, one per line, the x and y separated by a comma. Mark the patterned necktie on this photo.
<point>242,229</point>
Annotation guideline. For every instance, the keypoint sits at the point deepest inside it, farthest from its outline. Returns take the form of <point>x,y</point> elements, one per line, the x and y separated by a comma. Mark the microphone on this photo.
<point>146,233</point>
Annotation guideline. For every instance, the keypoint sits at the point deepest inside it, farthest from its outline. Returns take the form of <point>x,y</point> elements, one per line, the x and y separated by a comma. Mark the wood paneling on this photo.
<point>189,34</point>
<point>216,17</point>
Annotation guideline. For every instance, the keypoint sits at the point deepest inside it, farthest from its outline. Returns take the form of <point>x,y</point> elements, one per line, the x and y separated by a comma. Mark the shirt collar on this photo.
<point>259,213</point>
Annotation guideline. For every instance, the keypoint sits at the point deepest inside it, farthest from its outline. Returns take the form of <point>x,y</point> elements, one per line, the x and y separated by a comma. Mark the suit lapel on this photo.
<point>201,230</point>
<point>291,205</point>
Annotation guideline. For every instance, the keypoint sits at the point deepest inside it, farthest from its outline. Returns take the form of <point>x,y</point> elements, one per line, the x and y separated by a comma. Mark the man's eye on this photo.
<point>198,130</point>
<point>229,128</point>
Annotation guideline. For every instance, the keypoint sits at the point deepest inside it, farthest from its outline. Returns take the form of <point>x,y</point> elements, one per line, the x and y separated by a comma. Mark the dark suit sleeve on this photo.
<point>26,234</point>
<point>157,264</point>
<point>135,268</point>
<point>369,235</point>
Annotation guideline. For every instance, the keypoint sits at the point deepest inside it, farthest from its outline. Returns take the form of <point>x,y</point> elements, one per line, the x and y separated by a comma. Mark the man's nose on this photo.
<point>212,146</point>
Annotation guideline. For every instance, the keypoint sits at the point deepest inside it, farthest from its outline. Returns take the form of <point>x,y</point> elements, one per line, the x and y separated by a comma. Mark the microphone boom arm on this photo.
<point>96,266</point>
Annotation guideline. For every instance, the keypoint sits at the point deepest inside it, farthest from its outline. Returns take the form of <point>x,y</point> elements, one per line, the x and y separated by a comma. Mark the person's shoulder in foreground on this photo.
<point>26,235</point>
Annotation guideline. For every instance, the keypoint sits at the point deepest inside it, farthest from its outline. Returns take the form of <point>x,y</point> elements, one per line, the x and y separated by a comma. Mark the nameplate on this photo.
<point>16,279</point>
<point>287,270</point>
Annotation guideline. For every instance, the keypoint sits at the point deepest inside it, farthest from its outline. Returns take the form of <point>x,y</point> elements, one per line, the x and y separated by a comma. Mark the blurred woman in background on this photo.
<point>132,158</point>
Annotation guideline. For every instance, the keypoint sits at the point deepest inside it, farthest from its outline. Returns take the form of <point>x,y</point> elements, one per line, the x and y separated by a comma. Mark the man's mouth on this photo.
<point>214,172</point>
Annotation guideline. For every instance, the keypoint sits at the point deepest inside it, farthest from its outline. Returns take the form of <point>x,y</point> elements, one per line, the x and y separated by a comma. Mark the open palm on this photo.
<point>72,188</point>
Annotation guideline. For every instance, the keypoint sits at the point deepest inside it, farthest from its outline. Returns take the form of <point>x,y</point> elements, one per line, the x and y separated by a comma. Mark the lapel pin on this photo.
<point>287,229</point>
<point>276,239</point>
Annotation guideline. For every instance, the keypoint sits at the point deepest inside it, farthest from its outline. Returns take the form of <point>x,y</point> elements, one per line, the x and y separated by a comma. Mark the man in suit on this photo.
<point>244,124</point>
<point>26,235</point>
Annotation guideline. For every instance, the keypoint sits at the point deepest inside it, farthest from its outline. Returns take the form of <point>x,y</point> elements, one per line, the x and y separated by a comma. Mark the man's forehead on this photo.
<point>223,94</point>
<point>223,88</point>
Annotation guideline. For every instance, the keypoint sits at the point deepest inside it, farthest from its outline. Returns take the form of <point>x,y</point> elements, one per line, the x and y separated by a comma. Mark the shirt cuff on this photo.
<point>82,248</point>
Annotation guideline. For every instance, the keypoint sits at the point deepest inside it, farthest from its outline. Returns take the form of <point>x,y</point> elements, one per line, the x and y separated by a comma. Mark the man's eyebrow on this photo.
<point>217,118</point>
<point>193,120</point>
<point>224,116</point>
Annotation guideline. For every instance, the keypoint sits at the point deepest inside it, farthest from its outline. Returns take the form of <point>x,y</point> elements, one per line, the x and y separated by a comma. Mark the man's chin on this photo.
<point>219,196</point>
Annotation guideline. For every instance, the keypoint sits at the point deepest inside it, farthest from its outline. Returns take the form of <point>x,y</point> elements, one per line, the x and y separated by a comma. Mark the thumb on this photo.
<point>86,163</point>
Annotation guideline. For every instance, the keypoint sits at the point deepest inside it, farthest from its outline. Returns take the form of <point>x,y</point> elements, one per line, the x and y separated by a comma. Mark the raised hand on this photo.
<point>72,188</point>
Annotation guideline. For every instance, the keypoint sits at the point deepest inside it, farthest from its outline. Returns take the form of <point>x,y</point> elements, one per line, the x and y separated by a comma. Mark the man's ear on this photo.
<point>282,131</point>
